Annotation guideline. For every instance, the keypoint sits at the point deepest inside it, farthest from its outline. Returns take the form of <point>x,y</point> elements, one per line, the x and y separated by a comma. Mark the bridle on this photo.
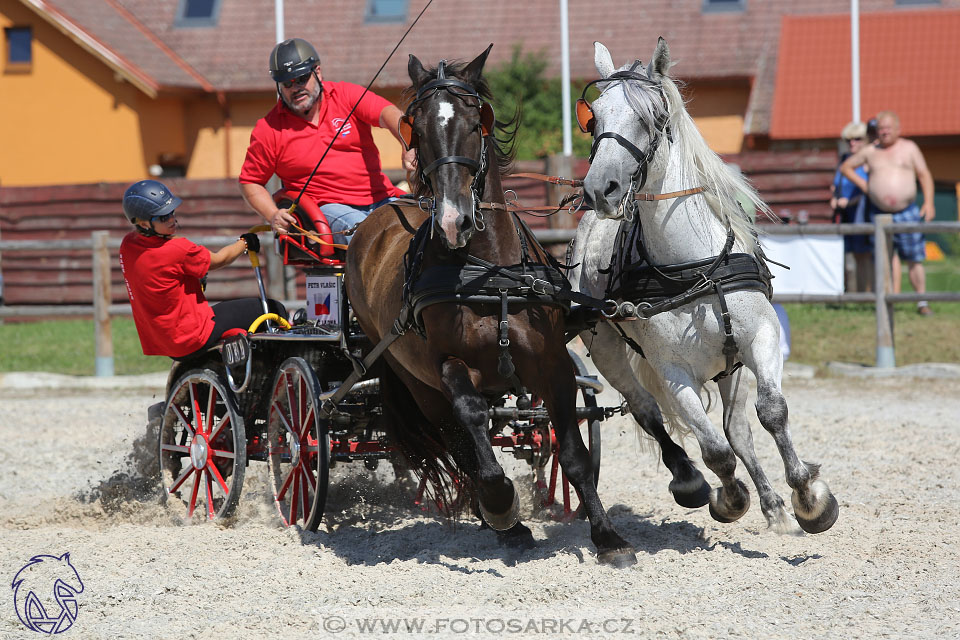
<point>587,123</point>
<point>462,91</point>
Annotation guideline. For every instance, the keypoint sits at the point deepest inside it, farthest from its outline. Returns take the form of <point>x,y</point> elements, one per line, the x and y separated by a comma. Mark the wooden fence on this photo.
<point>103,306</point>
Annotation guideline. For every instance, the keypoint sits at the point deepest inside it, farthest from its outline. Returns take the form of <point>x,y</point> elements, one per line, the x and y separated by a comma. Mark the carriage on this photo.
<point>267,396</point>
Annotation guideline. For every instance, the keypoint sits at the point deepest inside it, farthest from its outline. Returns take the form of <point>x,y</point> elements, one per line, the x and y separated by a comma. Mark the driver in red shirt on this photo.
<point>163,277</point>
<point>293,136</point>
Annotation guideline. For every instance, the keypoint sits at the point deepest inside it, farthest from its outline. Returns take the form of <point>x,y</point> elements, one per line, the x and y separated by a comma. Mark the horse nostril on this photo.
<point>611,188</point>
<point>467,223</point>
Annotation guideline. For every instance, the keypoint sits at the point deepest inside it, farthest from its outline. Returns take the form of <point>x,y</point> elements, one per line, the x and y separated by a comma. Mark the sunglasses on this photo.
<point>163,218</point>
<point>852,139</point>
<point>298,81</point>
<point>585,118</point>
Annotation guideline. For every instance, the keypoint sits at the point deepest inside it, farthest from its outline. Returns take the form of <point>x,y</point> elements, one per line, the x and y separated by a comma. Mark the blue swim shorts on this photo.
<point>910,246</point>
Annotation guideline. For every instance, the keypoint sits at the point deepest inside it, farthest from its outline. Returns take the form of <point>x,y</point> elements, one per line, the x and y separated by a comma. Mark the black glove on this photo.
<point>252,242</point>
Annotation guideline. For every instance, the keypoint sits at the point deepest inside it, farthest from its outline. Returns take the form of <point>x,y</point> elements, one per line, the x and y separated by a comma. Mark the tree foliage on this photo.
<point>522,81</point>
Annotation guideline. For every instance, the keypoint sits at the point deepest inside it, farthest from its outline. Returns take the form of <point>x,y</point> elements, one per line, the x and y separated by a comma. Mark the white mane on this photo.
<point>725,187</point>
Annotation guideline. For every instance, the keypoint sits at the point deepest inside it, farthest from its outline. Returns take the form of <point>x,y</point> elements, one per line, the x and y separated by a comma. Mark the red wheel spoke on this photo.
<point>295,498</point>
<point>224,421</point>
<point>305,495</point>
<point>286,484</point>
<point>307,424</point>
<point>212,468</point>
<point>208,488</point>
<point>183,420</point>
<point>193,494</point>
<point>308,474</point>
<point>175,447</point>
<point>195,406</point>
<point>211,405</point>
<point>179,481</point>
<point>283,419</point>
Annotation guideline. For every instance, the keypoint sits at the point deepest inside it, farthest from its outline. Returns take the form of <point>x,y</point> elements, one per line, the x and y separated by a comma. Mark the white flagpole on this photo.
<point>565,77</point>
<point>855,56</point>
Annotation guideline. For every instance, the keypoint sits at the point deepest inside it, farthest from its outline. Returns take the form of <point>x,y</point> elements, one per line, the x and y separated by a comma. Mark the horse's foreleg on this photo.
<point>559,396</point>
<point>689,488</point>
<point>814,505</point>
<point>499,503</point>
<point>733,392</point>
<point>729,502</point>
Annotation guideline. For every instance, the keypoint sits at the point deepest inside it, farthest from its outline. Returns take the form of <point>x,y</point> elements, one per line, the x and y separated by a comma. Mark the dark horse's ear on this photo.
<point>418,75</point>
<point>473,70</point>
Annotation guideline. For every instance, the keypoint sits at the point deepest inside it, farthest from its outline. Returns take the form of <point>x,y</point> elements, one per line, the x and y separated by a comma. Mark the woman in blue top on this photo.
<point>850,205</point>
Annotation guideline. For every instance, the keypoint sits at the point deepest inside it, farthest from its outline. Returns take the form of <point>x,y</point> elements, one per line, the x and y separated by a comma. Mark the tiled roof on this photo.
<point>111,31</point>
<point>909,62</point>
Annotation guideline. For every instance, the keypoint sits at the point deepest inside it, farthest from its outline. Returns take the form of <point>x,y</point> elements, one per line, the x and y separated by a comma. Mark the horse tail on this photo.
<point>422,444</point>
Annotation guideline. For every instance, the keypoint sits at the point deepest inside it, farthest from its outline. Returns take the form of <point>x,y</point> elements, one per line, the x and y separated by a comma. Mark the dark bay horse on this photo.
<point>467,353</point>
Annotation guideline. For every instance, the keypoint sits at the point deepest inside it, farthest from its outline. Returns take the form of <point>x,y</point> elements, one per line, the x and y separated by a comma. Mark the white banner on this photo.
<point>816,264</point>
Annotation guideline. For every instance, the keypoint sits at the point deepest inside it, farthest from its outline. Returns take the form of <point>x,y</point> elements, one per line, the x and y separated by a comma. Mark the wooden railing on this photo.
<point>882,298</point>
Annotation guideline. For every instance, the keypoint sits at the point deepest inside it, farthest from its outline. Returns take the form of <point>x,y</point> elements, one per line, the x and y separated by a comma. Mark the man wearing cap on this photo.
<point>895,165</point>
<point>294,135</point>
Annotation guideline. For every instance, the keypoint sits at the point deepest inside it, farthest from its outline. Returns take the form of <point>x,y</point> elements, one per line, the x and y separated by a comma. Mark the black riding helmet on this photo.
<point>292,58</point>
<point>148,199</point>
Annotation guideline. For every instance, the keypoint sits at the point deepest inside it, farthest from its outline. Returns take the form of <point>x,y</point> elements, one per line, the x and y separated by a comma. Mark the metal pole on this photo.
<point>565,77</point>
<point>278,18</point>
<point>103,336</point>
<point>855,56</point>
<point>882,243</point>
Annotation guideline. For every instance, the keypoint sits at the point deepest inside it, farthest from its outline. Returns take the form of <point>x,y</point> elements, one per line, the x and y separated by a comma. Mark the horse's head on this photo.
<point>629,123</point>
<point>448,122</point>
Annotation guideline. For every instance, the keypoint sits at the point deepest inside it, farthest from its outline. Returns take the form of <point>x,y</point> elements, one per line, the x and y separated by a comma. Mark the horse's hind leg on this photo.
<point>499,502</point>
<point>733,392</point>
<point>689,488</point>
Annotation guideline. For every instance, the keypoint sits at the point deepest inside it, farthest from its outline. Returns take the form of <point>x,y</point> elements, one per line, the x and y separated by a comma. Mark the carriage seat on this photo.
<point>300,249</point>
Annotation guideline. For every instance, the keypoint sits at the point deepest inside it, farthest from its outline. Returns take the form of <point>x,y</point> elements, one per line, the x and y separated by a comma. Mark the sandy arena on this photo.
<point>889,568</point>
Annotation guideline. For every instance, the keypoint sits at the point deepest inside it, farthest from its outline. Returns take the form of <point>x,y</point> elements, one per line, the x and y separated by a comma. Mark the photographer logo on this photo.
<point>45,594</point>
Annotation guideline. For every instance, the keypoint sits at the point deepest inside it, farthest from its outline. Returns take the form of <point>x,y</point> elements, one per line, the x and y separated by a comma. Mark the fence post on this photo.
<point>101,304</point>
<point>882,246</point>
<point>559,165</point>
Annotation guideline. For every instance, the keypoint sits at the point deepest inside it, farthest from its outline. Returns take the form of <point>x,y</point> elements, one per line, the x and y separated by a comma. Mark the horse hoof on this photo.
<point>517,537</point>
<point>618,558</point>
<point>503,521</point>
<point>692,499</point>
<point>727,513</point>
<point>828,515</point>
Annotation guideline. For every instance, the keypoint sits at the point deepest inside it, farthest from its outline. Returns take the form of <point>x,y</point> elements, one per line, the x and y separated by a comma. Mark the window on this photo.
<point>19,46</point>
<point>909,2</point>
<point>719,6</point>
<point>386,11</point>
<point>198,13</point>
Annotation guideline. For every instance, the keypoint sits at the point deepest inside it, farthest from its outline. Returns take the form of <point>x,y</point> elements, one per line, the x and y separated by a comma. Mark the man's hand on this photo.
<point>282,220</point>
<point>409,160</point>
<point>252,242</point>
<point>927,211</point>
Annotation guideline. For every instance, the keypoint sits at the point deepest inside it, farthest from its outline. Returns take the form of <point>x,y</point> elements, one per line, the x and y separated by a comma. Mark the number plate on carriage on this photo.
<point>235,351</point>
<point>323,299</point>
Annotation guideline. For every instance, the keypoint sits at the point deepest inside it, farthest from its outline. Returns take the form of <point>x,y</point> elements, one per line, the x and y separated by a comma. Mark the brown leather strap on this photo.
<point>551,179</point>
<point>650,197</point>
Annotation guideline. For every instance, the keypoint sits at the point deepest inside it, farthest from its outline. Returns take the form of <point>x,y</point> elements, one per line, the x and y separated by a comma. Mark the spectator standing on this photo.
<point>294,135</point>
<point>895,165</point>
<point>849,205</point>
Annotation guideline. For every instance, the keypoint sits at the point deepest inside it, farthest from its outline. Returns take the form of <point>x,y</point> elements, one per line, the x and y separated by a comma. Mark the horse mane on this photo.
<point>726,187</point>
<point>505,131</point>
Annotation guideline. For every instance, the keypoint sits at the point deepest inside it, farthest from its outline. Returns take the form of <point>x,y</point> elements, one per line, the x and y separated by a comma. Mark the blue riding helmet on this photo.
<point>148,199</point>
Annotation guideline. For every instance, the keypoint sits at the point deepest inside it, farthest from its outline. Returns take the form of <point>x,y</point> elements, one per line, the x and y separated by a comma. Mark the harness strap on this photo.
<point>470,162</point>
<point>551,179</point>
<point>729,343</point>
<point>650,197</point>
<point>505,365</point>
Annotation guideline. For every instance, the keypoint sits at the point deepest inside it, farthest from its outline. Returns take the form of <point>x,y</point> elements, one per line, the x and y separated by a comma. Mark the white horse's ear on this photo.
<point>602,59</point>
<point>660,63</point>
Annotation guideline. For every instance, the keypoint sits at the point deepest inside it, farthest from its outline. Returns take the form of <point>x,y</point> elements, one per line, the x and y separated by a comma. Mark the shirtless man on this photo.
<point>895,165</point>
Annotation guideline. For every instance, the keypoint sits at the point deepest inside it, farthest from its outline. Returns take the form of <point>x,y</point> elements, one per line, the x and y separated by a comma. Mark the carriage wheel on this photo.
<point>299,445</point>
<point>202,446</point>
<point>588,398</point>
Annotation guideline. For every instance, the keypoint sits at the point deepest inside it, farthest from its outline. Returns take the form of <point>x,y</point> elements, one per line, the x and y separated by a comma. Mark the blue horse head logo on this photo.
<point>45,594</point>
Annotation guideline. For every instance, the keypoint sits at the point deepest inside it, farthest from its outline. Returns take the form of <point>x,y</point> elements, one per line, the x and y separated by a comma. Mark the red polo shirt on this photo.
<point>286,144</point>
<point>172,315</point>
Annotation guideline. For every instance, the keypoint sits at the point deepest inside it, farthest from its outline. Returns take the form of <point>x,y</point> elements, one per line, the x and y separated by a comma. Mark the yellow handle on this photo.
<point>254,259</point>
<point>268,316</point>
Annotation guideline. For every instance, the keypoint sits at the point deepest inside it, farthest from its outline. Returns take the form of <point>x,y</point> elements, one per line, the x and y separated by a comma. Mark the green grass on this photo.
<point>820,333</point>
<point>67,346</point>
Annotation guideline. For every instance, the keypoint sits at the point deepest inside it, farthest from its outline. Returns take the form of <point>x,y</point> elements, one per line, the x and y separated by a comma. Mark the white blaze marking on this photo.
<point>445,113</point>
<point>448,221</point>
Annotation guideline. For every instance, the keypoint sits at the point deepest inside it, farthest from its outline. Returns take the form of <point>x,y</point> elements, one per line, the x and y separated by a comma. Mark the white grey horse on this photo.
<point>685,287</point>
